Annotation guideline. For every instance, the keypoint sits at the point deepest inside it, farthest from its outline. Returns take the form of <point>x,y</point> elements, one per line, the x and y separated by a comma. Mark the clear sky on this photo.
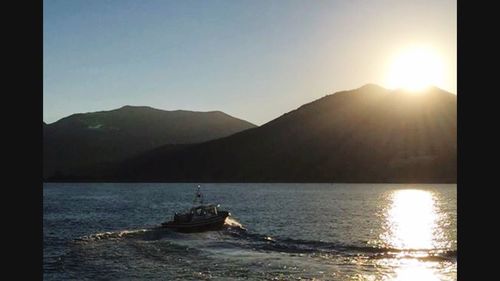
<point>254,60</point>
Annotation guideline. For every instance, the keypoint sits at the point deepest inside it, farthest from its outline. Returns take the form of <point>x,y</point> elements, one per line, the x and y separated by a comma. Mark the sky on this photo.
<point>254,60</point>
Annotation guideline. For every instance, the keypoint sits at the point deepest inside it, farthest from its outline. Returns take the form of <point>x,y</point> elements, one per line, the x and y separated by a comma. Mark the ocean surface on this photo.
<point>110,231</point>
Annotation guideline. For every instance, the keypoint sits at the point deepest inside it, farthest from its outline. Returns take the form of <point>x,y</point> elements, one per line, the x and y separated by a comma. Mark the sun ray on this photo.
<point>415,69</point>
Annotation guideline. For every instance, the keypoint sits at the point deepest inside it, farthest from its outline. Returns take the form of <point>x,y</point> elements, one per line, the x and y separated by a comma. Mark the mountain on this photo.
<point>92,140</point>
<point>370,134</point>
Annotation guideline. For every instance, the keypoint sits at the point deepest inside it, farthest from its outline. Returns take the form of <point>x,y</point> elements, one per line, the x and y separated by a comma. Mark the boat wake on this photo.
<point>154,233</point>
<point>231,222</point>
<point>298,246</point>
<point>235,235</point>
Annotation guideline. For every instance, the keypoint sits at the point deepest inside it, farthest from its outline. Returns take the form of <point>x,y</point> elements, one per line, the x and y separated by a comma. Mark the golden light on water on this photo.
<point>416,68</point>
<point>411,220</point>
<point>411,224</point>
<point>415,270</point>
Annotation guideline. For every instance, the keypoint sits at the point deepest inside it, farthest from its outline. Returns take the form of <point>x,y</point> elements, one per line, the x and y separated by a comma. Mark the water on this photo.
<point>96,231</point>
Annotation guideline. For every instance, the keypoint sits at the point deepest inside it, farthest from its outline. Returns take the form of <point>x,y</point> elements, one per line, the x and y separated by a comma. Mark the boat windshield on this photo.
<point>202,210</point>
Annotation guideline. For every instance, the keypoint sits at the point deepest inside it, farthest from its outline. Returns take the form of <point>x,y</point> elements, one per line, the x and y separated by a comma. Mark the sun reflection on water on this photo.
<point>411,220</point>
<point>414,270</point>
<point>411,223</point>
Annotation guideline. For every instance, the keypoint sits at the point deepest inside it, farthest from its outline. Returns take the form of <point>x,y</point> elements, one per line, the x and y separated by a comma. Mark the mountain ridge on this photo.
<point>368,134</point>
<point>91,139</point>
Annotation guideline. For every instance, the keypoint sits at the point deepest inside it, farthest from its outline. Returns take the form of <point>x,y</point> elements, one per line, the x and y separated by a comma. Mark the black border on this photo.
<point>23,115</point>
<point>477,203</point>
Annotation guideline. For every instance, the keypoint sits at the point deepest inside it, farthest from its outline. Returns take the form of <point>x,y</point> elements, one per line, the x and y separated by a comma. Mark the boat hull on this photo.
<point>214,223</point>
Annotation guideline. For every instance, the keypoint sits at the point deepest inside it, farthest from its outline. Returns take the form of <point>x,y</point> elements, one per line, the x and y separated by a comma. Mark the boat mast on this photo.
<point>198,197</point>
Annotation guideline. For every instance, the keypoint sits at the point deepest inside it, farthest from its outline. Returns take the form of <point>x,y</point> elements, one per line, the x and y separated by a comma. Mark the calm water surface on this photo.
<point>96,231</point>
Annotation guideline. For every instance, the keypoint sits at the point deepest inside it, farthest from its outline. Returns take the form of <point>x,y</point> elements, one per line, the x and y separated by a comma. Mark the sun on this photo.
<point>415,69</point>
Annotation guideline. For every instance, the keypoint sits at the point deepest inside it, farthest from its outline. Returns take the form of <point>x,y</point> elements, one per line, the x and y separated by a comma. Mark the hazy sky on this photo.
<point>254,60</point>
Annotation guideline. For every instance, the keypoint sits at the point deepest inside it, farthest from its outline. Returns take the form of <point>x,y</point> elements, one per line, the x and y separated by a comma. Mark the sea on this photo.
<point>288,231</point>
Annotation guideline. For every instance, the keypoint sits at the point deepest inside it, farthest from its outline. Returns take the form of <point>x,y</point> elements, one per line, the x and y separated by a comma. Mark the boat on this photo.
<point>200,217</point>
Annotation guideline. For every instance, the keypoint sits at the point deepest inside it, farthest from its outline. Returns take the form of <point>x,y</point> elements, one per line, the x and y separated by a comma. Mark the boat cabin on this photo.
<point>204,210</point>
<point>198,212</point>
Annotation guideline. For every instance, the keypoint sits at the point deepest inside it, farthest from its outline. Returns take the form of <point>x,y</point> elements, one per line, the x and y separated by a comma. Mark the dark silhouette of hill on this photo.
<point>95,140</point>
<point>369,134</point>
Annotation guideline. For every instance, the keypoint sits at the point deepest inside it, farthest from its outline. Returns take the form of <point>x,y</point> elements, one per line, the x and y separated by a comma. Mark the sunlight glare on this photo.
<point>415,69</point>
<point>415,270</point>
<point>411,220</point>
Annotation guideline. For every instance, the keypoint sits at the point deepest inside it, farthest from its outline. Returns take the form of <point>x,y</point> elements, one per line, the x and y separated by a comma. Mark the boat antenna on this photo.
<point>198,196</point>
